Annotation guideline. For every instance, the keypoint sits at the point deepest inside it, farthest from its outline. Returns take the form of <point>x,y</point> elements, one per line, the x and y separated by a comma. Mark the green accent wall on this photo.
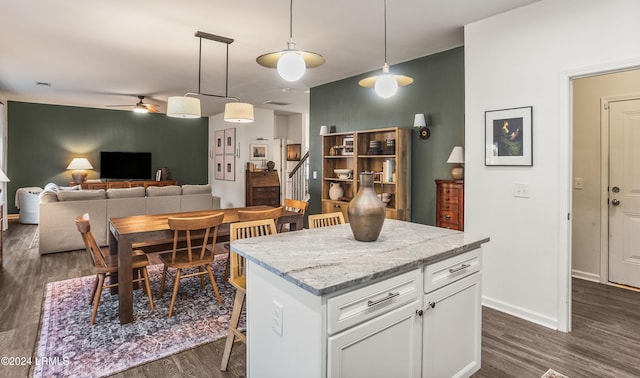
<point>42,140</point>
<point>437,91</point>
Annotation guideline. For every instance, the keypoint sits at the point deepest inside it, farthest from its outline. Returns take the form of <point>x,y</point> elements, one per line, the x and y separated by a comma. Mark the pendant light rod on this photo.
<point>216,38</point>
<point>291,20</point>
<point>385,31</point>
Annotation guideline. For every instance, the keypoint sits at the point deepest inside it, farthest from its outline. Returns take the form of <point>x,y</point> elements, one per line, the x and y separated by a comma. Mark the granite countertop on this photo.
<point>324,260</point>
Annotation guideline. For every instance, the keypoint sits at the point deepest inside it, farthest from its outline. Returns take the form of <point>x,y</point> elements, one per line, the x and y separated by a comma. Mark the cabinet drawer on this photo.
<point>450,192</point>
<point>450,270</point>
<point>359,305</point>
<point>448,199</point>
<point>448,216</point>
<point>449,225</point>
<point>448,206</point>
<point>266,190</point>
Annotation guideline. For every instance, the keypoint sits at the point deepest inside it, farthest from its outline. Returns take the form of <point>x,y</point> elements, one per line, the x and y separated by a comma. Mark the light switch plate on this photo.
<point>578,183</point>
<point>278,310</point>
<point>521,190</point>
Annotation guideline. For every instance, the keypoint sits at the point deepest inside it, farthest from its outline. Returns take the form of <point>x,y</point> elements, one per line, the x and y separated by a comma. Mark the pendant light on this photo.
<point>386,85</point>
<point>291,62</point>
<point>189,107</point>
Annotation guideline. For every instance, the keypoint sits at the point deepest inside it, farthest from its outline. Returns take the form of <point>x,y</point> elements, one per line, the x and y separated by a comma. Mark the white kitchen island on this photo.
<point>321,304</point>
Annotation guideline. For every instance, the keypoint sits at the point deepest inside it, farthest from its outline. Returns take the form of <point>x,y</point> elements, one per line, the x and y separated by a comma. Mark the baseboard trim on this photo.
<point>585,275</point>
<point>522,313</point>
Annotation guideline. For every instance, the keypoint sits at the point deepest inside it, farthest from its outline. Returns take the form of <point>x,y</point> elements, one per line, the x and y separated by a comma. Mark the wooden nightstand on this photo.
<point>450,204</point>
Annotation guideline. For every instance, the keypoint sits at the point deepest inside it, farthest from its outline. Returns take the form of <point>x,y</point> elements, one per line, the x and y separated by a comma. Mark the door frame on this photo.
<point>565,175</point>
<point>604,180</point>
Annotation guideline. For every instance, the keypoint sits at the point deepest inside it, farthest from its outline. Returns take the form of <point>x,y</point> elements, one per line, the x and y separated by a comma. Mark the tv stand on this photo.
<point>125,184</point>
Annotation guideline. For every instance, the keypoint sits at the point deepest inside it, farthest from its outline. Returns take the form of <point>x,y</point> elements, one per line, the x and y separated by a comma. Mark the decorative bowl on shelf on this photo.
<point>385,197</point>
<point>343,173</point>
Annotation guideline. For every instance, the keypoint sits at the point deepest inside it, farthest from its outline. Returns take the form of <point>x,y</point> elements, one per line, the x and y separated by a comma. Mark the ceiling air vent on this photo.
<point>271,102</point>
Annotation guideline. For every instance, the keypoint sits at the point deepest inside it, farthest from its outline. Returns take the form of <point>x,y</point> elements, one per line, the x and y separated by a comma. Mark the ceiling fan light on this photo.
<point>140,109</point>
<point>183,107</point>
<point>238,112</point>
<point>386,85</point>
<point>291,66</point>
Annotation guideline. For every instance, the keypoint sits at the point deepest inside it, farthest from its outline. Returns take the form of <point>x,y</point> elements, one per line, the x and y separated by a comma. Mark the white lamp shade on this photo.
<point>291,66</point>
<point>183,107</point>
<point>79,163</point>
<point>456,156</point>
<point>419,121</point>
<point>238,112</point>
<point>3,177</point>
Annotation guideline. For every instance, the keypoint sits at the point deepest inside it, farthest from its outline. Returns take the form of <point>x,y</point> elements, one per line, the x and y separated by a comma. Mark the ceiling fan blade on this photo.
<point>118,106</point>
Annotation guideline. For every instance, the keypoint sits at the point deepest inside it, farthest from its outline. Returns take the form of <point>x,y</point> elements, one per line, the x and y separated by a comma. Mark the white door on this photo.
<point>624,192</point>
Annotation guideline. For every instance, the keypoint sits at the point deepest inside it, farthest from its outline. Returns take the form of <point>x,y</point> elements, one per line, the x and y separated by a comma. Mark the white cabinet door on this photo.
<point>386,346</point>
<point>452,329</point>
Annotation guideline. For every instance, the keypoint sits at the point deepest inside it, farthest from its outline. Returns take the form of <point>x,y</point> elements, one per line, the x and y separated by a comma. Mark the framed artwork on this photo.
<point>219,142</point>
<point>508,136</point>
<point>229,168</point>
<point>219,167</point>
<point>230,141</point>
<point>258,151</point>
<point>293,152</point>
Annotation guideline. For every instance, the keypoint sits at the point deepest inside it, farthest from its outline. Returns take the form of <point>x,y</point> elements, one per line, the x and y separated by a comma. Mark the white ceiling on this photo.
<point>98,53</point>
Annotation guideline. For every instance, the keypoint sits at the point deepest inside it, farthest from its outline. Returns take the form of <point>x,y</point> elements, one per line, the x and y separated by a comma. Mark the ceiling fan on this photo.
<point>139,107</point>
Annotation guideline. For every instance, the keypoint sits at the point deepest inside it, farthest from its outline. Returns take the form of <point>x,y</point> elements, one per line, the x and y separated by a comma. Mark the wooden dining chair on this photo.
<point>179,259</point>
<point>326,219</point>
<point>249,215</point>
<point>295,206</point>
<point>241,230</point>
<point>106,265</point>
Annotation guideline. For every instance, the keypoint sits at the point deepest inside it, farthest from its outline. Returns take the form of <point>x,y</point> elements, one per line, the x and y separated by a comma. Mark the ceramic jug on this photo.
<point>335,191</point>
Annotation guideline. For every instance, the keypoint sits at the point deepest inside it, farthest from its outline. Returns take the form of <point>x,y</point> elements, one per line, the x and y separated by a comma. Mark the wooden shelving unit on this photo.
<point>366,159</point>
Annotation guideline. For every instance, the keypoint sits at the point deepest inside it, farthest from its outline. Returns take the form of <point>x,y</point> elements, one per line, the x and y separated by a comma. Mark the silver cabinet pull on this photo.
<point>378,301</point>
<point>430,305</point>
<point>463,266</point>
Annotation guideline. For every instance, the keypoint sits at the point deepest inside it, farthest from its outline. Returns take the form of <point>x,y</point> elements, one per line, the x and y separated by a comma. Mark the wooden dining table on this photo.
<point>127,231</point>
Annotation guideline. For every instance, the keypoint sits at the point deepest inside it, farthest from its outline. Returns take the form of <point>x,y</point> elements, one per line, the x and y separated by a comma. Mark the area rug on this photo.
<point>71,347</point>
<point>553,374</point>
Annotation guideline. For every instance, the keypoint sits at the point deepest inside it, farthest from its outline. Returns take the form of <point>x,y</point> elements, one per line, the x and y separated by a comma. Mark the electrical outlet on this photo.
<point>521,190</point>
<point>578,183</point>
<point>277,324</point>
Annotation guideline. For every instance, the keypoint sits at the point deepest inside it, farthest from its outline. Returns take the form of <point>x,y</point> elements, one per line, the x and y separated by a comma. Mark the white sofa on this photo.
<point>58,232</point>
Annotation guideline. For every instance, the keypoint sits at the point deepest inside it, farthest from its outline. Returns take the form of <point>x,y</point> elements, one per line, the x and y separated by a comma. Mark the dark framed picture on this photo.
<point>219,142</point>
<point>293,152</point>
<point>508,136</point>
<point>230,141</point>
<point>229,168</point>
<point>219,167</point>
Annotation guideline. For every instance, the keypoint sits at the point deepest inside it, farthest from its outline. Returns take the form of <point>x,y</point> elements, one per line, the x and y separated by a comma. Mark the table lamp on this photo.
<point>79,166</point>
<point>457,157</point>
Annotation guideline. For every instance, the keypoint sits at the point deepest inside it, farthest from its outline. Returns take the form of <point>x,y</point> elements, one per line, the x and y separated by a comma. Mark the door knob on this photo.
<point>615,189</point>
<point>615,202</point>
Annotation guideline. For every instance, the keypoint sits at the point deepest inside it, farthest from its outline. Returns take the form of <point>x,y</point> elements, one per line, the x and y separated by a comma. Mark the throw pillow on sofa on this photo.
<point>196,189</point>
<point>159,191</point>
<point>81,195</point>
<point>126,192</point>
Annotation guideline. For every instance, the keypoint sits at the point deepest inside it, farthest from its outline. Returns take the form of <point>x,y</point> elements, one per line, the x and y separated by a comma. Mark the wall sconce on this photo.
<point>420,121</point>
<point>79,166</point>
<point>457,157</point>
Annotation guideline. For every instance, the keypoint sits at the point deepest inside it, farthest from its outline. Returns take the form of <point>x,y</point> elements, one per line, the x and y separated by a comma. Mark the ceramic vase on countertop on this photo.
<point>366,212</point>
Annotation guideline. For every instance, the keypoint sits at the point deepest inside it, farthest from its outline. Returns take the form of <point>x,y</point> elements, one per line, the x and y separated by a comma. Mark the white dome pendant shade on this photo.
<point>291,62</point>
<point>238,112</point>
<point>386,85</point>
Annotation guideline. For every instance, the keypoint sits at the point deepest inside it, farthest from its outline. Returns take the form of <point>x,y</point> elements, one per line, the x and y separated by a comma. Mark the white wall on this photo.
<point>232,193</point>
<point>525,58</point>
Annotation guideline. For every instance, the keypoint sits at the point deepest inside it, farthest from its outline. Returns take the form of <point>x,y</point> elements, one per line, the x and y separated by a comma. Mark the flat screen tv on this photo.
<point>125,165</point>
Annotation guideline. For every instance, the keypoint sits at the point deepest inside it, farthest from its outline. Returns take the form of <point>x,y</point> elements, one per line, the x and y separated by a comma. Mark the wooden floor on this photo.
<point>605,341</point>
